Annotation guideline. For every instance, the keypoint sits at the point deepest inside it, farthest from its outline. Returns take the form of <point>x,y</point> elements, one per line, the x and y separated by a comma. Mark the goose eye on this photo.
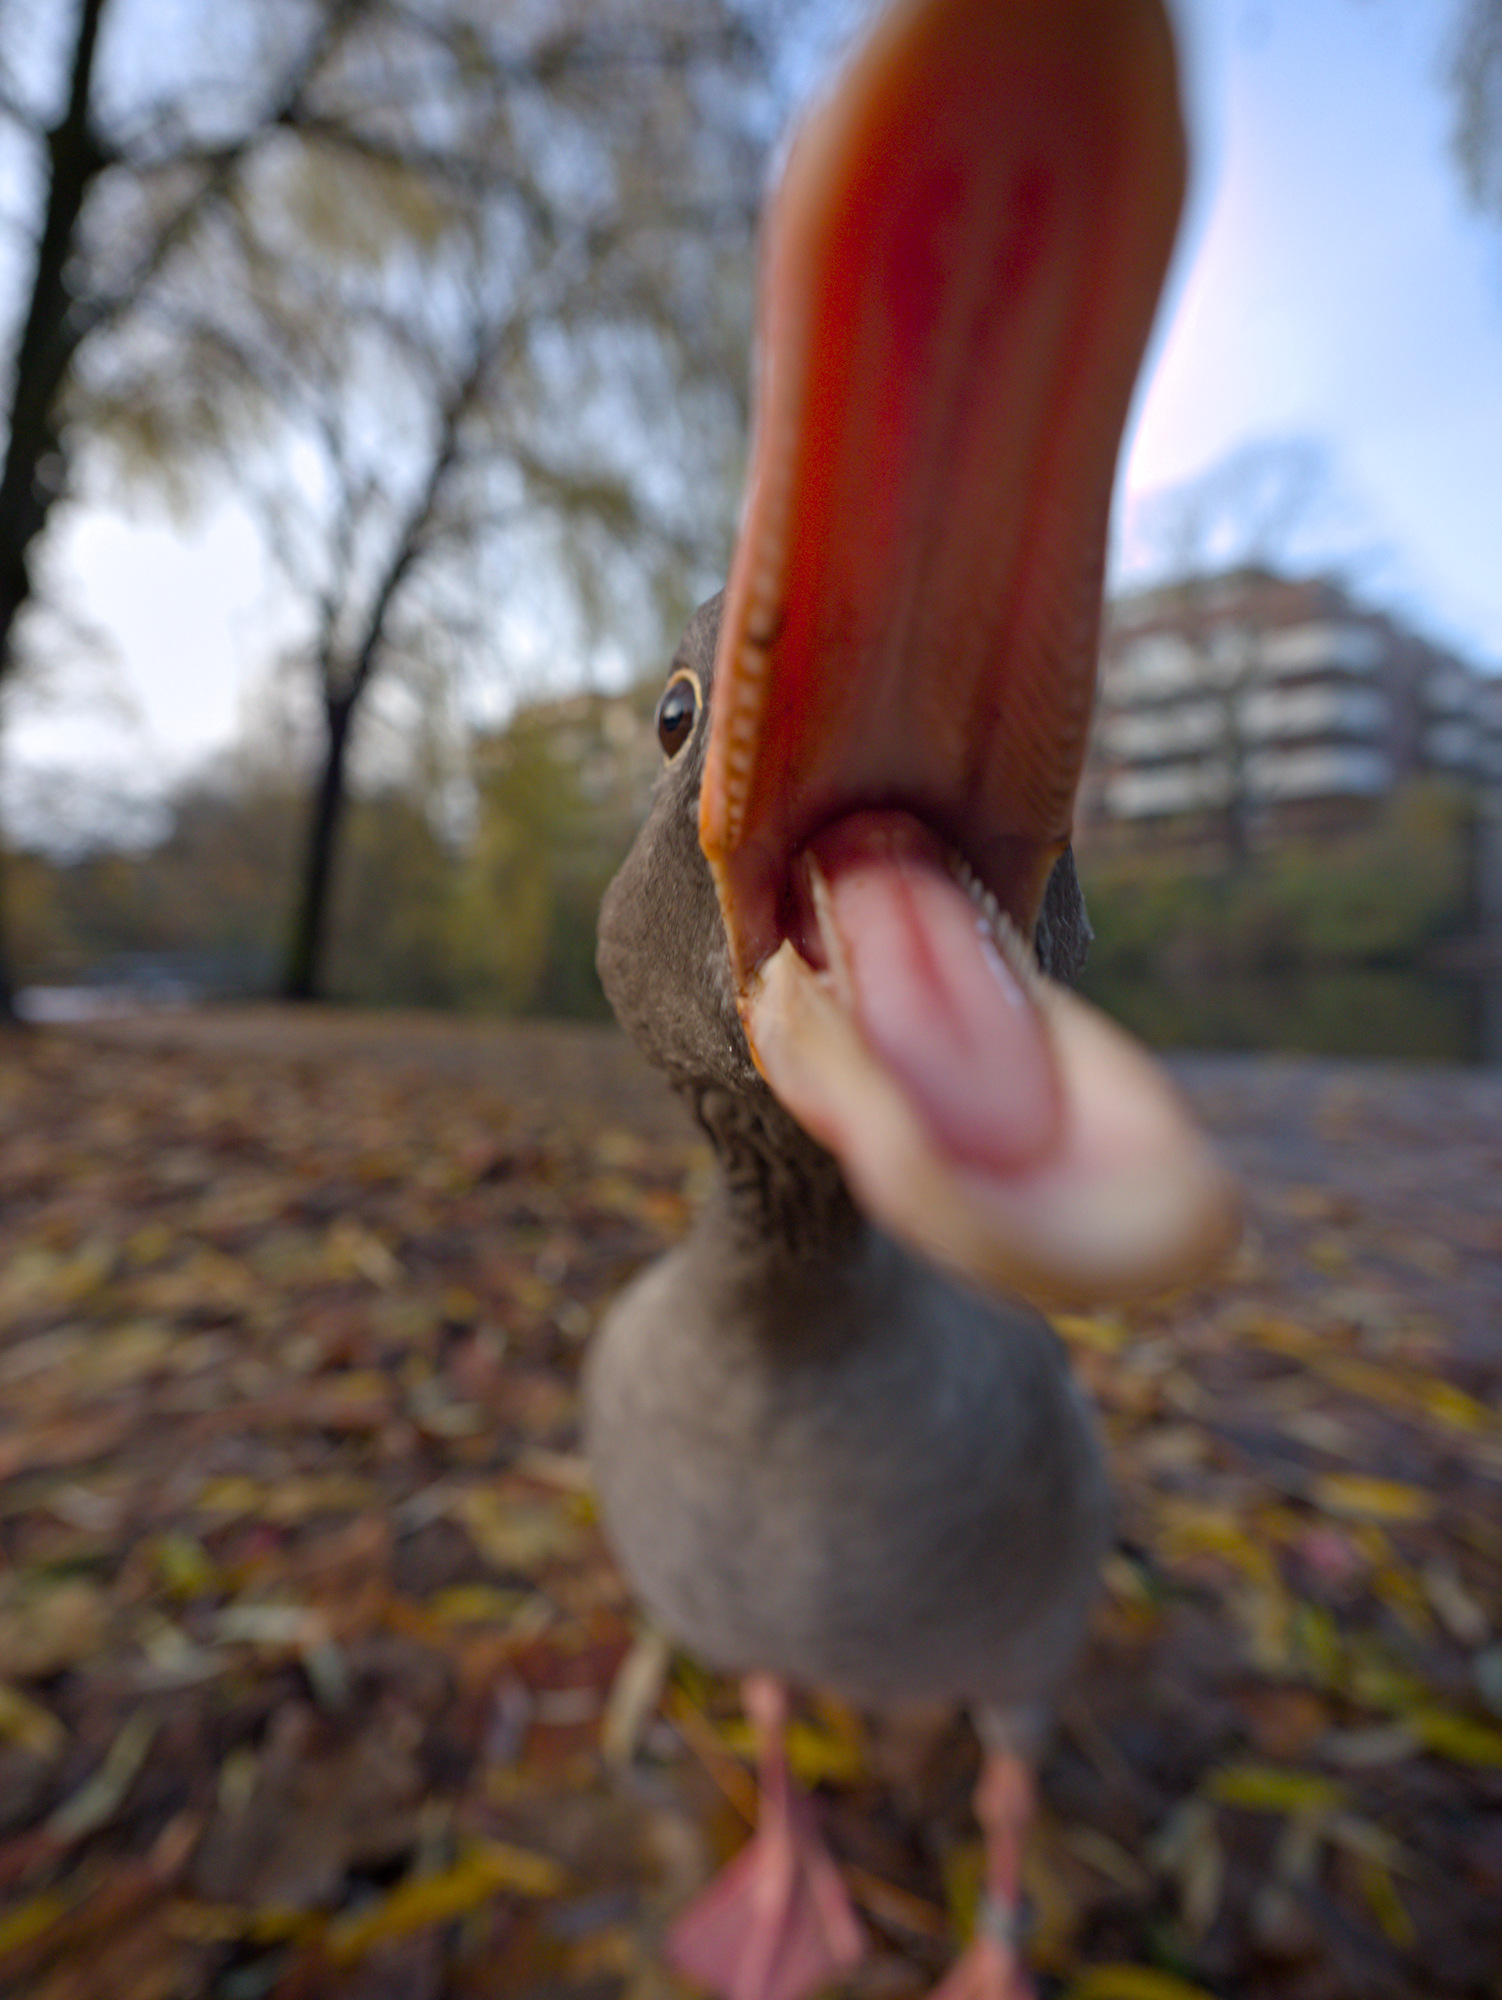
<point>676,713</point>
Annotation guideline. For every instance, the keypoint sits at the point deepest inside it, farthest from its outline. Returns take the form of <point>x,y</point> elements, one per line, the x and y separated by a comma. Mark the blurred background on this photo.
<point>373,413</point>
<point>376,399</point>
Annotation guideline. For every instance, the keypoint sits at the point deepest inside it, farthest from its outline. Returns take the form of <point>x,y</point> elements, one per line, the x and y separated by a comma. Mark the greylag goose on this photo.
<point>832,1444</point>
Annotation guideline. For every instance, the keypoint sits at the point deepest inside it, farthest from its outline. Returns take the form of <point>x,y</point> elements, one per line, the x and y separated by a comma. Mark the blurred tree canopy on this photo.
<point>455,295</point>
<point>1337,946</point>
<point>488,909</point>
<point>559,796</point>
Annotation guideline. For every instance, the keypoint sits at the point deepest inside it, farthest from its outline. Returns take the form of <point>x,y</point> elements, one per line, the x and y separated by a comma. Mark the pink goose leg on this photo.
<point>777,1924</point>
<point>991,1968</point>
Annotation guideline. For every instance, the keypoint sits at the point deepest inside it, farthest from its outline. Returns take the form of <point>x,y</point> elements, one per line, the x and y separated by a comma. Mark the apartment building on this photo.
<point>1268,706</point>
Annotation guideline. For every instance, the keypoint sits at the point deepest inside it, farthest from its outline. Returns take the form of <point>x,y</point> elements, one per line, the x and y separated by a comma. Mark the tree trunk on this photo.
<point>32,475</point>
<point>8,1015</point>
<point>303,976</point>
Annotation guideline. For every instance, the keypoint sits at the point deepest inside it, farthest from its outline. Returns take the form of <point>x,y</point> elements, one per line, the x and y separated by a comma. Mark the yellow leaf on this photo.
<point>232,1494</point>
<point>1273,1788</point>
<point>183,1564</point>
<point>513,1534</point>
<point>1189,1529</point>
<point>354,1387</point>
<point>1409,1394</point>
<point>1403,1594</point>
<point>1283,1336</point>
<point>1385,1904</point>
<point>964,1880</point>
<point>821,1757</point>
<point>486,1870</point>
<point>1452,1406</point>
<point>477,1604</point>
<point>1267,1614</point>
<point>1317,1643</point>
<point>275,1925</point>
<point>25,1722</point>
<point>1133,1982</point>
<point>817,1756</point>
<point>49,1626</point>
<point>1458,1737</point>
<point>31,1919</point>
<point>150,1244</point>
<point>206,1923</point>
<point>1374,1682</point>
<point>1329,1253</point>
<point>352,1251</point>
<point>1359,1497</point>
<point>1106,1332</point>
<point>297,1499</point>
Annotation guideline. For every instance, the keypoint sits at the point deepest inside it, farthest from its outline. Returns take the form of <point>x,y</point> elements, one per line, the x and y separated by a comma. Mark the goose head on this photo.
<point>853,901</point>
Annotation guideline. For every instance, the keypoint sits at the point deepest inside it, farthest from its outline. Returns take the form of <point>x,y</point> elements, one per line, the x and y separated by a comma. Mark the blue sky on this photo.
<point>1331,285</point>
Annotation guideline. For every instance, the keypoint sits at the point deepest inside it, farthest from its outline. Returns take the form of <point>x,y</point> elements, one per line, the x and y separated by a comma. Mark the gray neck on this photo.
<point>780,1197</point>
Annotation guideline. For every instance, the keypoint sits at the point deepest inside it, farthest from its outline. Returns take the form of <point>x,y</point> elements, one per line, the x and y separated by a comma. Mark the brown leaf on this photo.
<point>45,1626</point>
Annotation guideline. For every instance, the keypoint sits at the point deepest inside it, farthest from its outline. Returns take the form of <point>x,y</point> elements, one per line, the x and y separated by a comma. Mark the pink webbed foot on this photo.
<point>777,1924</point>
<point>991,1967</point>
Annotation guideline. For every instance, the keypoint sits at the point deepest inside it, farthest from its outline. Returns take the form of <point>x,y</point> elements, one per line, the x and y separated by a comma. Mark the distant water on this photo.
<point>57,1004</point>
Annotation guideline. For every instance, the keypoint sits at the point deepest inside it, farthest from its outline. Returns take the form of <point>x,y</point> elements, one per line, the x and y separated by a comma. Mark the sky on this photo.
<point>1331,285</point>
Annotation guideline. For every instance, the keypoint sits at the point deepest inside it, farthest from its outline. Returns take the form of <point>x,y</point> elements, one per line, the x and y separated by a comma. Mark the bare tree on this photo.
<point>1475,78</point>
<point>1261,507</point>
<point>223,225</point>
<point>536,400</point>
<point>129,162</point>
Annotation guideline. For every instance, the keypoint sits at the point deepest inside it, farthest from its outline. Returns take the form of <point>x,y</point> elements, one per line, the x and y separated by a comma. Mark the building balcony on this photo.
<point>1328,710</point>
<point>1269,777</point>
<point>1326,647</point>
<point>1168,789</point>
<point>1331,771</point>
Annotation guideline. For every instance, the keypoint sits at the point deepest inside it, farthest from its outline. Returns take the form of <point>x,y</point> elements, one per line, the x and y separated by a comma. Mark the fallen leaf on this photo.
<point>1453,1604</point>
<point>1133,1982</point>
<point>518,1535</point>
<point>1458,1737</point>
<point>1273,1788</point>
<point>816,1756</point>
<point>1362,1497</point>
<point>31,1920</point>
<point>97,1801</point>
<point>45,1627</point>
<point>26,1723</point>
<point>1385,1904</point>
<point>488,1869</point>
<point>635,1696</point>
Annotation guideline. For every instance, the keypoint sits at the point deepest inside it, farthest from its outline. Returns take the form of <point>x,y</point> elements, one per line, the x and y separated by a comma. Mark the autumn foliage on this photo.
<point>315,1678</point>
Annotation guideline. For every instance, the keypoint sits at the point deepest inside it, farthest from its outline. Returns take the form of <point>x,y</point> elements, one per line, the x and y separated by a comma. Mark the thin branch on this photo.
<point>220,164</point>
<point>412,539</point>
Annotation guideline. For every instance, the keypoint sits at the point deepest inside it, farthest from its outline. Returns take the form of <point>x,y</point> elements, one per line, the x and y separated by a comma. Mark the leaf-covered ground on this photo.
<point>315,1679</point>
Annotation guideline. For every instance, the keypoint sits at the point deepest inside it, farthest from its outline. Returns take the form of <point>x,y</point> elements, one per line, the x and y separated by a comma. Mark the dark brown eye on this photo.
<point>676,713</point>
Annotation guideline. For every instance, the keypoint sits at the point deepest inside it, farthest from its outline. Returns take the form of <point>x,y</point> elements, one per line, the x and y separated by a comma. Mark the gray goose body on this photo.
<point>847,1472</point>
<point>816,1455</point>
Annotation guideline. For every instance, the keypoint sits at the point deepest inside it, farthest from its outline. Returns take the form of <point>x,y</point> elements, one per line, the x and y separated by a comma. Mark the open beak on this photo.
<point>959,273</point>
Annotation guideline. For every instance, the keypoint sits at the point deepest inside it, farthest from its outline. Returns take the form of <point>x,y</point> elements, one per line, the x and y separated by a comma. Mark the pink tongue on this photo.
<point>933,997</point>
